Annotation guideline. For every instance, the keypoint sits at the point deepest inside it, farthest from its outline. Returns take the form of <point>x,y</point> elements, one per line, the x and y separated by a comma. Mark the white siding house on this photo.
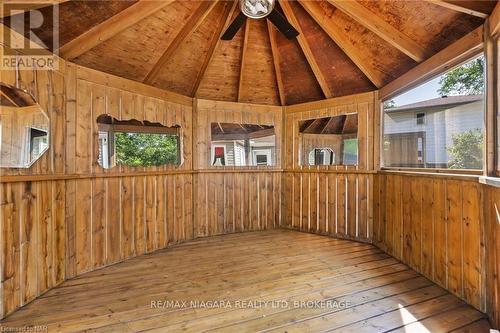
<point>234,151</point>
<point>432,125</point>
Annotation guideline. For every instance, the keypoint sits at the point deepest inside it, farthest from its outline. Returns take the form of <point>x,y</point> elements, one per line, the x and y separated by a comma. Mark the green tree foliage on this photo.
<point>142,149</point>
<point>467,150</point>
<point>350,151</point>
<point>390,104</point>
<point>467,79</point>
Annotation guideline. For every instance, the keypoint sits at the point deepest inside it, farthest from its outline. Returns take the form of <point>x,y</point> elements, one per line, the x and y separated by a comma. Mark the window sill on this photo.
<point>491,181</point>
<point>433,173</point>
<point>436,171</point>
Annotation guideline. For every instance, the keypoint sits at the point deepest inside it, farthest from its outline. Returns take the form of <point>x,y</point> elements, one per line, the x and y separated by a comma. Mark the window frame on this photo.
<point>416,84</point>
<point>266,152</point>
<point>423,118</point>
<point>273,157</point>
<point>137,127</point>
<point>338,153</point>
<point>322,149</point>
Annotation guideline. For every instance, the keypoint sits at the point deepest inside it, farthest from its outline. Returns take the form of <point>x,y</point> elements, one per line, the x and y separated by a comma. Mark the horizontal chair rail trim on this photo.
<point>29,178</point>
<point>340,171</point>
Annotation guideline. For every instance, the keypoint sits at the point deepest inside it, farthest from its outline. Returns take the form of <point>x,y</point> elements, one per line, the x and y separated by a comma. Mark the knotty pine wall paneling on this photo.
<point>235,199</point>
<point>146,210</point>
<point>331,200</point>
<point>435,224</point>
<point>66,215</point>
<point>32,220</point>
<point>492,251</point>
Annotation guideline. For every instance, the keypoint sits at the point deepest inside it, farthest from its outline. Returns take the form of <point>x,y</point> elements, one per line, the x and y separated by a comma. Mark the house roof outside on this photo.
<point>440,103</point>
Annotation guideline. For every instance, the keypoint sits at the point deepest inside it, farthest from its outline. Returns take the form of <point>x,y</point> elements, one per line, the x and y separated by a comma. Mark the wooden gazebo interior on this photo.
<point>87,247</point>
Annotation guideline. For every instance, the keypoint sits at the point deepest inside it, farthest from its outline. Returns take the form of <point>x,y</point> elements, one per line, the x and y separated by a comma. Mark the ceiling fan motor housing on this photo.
<point>257,9</point>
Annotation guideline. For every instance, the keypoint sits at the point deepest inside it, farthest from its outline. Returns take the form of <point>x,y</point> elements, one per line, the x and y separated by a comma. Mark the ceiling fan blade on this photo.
<point>234,27</point>
<point>282,24</point>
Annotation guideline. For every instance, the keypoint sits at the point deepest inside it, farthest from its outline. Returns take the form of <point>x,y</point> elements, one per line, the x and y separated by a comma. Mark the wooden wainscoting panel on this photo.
<point>328,203</point>
<point>435,225</point>
<point>234,202</point>
<point>492,251</point>
<point>66,215</point>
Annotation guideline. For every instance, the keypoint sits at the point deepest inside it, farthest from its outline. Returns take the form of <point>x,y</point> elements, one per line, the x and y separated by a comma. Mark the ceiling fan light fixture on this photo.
<point>257,9</point>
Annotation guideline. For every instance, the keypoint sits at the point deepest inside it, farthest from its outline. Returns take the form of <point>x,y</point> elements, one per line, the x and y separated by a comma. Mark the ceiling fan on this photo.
<point>257,9</point>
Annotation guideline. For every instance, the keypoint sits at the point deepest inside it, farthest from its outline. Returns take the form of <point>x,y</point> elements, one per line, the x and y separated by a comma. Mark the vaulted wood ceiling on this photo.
<point>345,47</point>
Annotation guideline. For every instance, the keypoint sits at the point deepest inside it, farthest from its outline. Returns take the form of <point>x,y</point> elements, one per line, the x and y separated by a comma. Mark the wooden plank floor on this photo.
<point>279,281</point>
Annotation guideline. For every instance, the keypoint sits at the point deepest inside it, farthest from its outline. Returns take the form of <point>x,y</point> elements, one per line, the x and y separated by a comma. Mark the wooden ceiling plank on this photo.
<point>191,25</point>
<point>323,123</point>
<point>244,136</point>
<point>111,27</point>
<point>304,125</point>
<point>306,49</point>
<point>314,9</point>
<point>8,98</point>
<point>380,27</point>
<point>494,20</point>
<point>276,61</point>
<point>313,126</point>
<point>224,22</point>
<point>246,33</point>
<point>26,6</point>
<point>459,8</point>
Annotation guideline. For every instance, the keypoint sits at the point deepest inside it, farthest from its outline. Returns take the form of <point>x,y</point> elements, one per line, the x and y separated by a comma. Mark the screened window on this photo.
<point>24,128</point>
<point>439,124</point>
<point>329,140</point>
<point>321,156</point>
<point>235,144</point>
<point>137,144</point>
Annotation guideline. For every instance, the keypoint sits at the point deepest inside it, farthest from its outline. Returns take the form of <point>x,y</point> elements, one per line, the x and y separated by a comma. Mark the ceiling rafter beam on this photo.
<point>276,61</point>
<point>335,33</point>
<point>304,125</point>
<point>111,27</point>
<point>312,126</point>
<point>459,8</point>
<point>220,127</point>
<point>246,34</point>
<point>381,28</point>
<point>494,20</point>
<point>191,25</point>
<point>225,20</point>
<point>461,50</point>
<point>306,49</point>
<point>330,121</point>
<point>344,122</point>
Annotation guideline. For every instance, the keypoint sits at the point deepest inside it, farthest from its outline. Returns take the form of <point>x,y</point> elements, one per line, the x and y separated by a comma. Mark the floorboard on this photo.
<point>278,281</point>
